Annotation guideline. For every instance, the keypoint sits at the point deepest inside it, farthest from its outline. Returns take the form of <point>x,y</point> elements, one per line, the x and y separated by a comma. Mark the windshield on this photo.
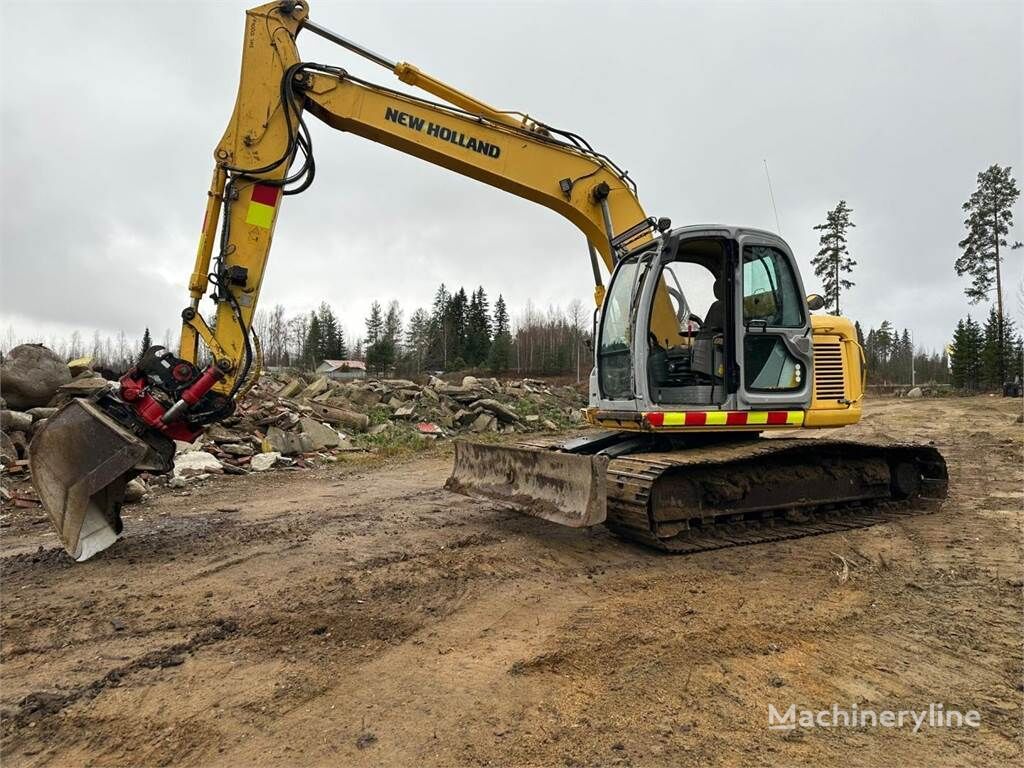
<point>614,358</point>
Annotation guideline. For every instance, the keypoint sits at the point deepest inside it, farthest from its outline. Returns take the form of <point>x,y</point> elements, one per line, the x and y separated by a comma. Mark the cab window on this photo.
<point>770,294</point>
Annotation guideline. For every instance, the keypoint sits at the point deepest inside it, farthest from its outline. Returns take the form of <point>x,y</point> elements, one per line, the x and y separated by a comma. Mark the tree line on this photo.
<point>980,357</point>
<point>893,358</point>
<point>460,331</point>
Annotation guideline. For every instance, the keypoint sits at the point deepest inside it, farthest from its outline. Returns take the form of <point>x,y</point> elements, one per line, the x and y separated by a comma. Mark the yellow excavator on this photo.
<point>679,398</point>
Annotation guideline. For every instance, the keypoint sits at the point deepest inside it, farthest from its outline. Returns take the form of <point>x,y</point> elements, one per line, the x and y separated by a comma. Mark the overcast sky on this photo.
<point>110,113</point>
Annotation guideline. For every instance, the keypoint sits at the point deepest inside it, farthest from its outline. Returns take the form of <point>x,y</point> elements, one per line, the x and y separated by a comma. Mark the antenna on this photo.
<point>771,194</point>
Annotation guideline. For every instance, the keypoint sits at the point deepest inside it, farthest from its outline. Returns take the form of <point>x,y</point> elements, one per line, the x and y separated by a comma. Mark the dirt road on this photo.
<point>360,615</point>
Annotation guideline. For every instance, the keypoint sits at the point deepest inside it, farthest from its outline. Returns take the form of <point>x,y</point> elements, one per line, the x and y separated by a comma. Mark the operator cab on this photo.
<point>707,318</point>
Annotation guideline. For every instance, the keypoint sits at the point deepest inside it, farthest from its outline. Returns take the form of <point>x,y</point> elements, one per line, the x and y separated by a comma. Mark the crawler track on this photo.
<point>767,490</point>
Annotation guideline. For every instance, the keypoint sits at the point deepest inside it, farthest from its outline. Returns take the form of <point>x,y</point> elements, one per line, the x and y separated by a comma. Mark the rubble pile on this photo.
<point>286,420</point>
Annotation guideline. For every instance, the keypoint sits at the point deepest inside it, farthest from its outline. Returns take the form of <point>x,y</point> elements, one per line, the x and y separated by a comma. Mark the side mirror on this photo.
<point>815,301</point>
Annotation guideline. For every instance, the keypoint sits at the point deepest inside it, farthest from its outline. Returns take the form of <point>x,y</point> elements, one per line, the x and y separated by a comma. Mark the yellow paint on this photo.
<point>716,418</point>
<point>757,417</point>
<point>675,419</point>
<point>260,215</point>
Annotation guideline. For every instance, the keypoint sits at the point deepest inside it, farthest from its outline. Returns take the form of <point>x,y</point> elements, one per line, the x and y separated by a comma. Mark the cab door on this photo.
<point>773,339</point>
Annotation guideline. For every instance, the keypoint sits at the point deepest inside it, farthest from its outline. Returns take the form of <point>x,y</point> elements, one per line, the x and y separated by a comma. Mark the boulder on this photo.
<point>915,392</point>
<point>15,421</point>
<point>470,382</point>
<point>365,397</point>
<point>30,376</point>
<point>261,462</point>
<point>195,463</point>
<point>319,434</point>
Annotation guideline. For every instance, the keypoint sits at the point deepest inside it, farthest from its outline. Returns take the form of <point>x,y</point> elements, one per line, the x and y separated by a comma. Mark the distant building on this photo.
<point>342,370</point>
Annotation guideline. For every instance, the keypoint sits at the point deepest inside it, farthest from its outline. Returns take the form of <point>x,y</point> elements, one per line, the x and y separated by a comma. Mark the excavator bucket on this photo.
<point>565,488</point>
<point>80,461</point>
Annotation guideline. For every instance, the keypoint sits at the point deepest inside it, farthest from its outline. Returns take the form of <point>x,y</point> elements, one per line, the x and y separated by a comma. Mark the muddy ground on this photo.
<point>360,615</point>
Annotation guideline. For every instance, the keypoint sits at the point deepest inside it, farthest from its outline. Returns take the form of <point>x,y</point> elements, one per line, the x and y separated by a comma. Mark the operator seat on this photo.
<point>707,359</point>
<point>715,318</point>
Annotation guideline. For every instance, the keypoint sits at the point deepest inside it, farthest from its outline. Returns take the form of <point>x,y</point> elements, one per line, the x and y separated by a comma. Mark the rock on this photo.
<point>430,394</point>
<point>30,376</point>
<point>1020,419</point>
<point>340,417</point>
<point>470,382</point>
<point>195,463</point>
<point>291,389</point>
<point>317,387</point>
<point>15,421</point>
<point>134,491</point>
<point>549,425</point>
<point>83,386</point>
<point>177,482</point>
<point>37,425</point>
<point>484,422</point>
<point>261,462</point>
<point>235,449</point>
<point>915,392</point>
<point>405,411</point>
<point>321,435</point>
<point>532,418</point>
<point>80,365</point>
<point>8,450</point>
<point>502,412</point>
<point>219,434</point>
<point>41,412</point>
<point>286,443</point>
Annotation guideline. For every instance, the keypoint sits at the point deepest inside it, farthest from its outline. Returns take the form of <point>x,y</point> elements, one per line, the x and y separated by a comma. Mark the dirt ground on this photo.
<point>361,615</point>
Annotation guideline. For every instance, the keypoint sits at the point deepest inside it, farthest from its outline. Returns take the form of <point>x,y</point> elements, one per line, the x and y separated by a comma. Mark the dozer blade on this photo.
<point>80,461</point>
<point>564,488</point>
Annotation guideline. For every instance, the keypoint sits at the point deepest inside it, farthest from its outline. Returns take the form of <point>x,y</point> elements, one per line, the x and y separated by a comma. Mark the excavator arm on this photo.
<point>505,150</point>
<point>83,458</point>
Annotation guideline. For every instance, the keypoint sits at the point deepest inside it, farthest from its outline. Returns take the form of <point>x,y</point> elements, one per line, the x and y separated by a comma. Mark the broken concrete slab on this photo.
<point>83,387</point>
<point>261,462</point>
<point>291,389</point>
<point>195,463</point>
<point>502,412</point>
<point>41,412</point>
<point>286,443</point>
<point>321,435</point>
<point>317,387</point>
<point>339,417</point>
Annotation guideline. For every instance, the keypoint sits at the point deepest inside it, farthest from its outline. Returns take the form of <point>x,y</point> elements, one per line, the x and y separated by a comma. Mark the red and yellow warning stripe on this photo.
<point>724,418</point>
<point>263,204</point>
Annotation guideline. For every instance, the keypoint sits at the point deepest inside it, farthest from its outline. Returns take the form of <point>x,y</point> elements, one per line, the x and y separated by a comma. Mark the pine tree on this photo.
<point>833,259</point>
<point>998,351</point>
<point>478,328</point>
<point>458,308</point>
<point>965,355</point>
<point>417,340</point>
<point>332,340</point>
<point>313,345</point>
<point>500,356</point>
<point>147,342</point>
<point>989,219</point>
<point>374,324</point>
